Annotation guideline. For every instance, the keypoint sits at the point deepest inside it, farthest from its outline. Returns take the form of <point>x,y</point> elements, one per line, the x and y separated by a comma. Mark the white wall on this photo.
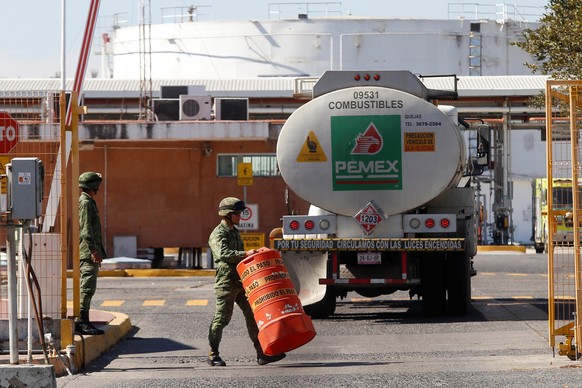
<point>528,161</point>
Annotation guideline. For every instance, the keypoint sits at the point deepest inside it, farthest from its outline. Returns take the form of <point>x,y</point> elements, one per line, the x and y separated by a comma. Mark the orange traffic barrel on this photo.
<point>282,323</point>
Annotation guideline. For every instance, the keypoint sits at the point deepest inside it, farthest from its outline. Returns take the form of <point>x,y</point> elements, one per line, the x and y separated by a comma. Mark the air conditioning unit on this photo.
<point>231,108</point>
<point>195,107</point>
<point>166,109</point>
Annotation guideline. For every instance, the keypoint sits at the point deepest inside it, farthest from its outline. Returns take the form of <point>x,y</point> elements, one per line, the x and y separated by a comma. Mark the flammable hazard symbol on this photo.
<point>369,218</point>
<point>311,150</point>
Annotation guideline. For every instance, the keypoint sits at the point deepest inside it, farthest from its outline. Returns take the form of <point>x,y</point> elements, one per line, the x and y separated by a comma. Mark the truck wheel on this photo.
<point>458,283</point>
<point>539,248</point>
<point>324,308</point>
<point>432,284</point>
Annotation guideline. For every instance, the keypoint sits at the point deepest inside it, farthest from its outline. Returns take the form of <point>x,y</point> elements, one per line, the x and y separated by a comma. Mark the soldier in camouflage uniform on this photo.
<point>91,251</point>
<point>228,250</point>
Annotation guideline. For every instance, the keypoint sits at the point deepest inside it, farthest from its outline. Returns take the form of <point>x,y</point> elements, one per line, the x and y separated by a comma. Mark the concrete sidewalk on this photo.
<point>86,349</point>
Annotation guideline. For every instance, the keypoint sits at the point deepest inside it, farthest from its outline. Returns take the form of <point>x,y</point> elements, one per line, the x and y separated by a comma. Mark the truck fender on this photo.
<point>305,270</point>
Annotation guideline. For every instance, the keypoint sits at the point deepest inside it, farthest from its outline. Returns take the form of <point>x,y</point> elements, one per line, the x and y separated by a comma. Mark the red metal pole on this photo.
<point>84,53</point>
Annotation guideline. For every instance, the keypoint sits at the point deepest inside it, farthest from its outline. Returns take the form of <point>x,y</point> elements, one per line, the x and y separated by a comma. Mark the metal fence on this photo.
<point>563,109</point>
<point>30,128</point>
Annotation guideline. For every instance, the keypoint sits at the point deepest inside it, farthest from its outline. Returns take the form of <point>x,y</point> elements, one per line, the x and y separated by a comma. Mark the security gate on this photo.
<point>561,221</point>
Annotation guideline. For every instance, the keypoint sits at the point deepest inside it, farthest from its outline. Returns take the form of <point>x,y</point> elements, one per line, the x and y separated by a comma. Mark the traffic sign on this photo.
<point>9,133</point>
<point>249,218</point>
<point>245,174</point>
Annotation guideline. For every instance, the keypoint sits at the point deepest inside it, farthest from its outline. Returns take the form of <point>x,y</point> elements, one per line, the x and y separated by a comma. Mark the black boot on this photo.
<point>84,327</point>
<point>263,359</point>
<point>97,331</point>
<point>215,361</point>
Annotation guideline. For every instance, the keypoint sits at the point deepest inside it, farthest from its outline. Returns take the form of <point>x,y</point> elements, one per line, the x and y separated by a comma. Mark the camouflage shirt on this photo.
<point>227,250</point>
<point>89,228</point>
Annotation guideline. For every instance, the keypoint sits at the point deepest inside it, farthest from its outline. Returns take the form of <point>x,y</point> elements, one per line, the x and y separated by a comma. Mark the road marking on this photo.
<point>154,303</point>
<point>197,302</point>
<point>517,274</point>
<point>112,303</point>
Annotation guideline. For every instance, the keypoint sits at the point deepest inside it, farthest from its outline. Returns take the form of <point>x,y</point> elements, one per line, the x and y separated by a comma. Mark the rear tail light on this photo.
<point>315,224</point>
<point>366,77</point>
<point>429,223</point>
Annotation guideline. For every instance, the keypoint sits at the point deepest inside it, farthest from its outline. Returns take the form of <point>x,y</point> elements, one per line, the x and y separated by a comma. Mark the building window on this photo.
<point>264,165</point>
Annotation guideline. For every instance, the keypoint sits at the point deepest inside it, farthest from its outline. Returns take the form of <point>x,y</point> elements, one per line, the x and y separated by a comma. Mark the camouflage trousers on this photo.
<point>225,300</point>
<point>89,273</point>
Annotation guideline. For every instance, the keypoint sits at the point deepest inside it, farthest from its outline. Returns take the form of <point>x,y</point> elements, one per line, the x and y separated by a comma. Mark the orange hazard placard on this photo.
<point>419,142</point>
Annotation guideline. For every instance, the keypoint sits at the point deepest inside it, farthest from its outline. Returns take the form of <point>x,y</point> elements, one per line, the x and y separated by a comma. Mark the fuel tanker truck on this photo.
<point>386,173</point>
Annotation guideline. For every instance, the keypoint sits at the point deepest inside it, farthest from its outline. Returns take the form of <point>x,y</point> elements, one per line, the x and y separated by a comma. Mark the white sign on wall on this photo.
<point>249,219</point>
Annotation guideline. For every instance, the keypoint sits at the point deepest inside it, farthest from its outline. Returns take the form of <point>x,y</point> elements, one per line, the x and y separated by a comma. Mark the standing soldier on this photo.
<point>91,251</point>
<point>228,250</point>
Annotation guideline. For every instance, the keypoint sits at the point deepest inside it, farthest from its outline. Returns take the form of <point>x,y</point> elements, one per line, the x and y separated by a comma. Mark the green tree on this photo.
<point>557,43</point>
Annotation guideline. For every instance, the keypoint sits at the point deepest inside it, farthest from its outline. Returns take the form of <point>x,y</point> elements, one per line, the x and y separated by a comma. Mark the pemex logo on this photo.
<point>366,152</point>
<point>368,143</point>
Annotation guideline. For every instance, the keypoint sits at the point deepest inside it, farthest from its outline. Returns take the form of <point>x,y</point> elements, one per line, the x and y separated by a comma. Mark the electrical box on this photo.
<point>25,187</point>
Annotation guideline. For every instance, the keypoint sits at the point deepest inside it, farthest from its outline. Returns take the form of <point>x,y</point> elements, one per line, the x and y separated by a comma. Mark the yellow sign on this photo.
<point>311,150</point>
<point>253,240</point>
<point>245,174</point>
<point>4,160</point>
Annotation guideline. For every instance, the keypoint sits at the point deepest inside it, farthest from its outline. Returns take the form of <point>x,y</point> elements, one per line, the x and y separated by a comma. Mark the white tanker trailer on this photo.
<point>386,173</point>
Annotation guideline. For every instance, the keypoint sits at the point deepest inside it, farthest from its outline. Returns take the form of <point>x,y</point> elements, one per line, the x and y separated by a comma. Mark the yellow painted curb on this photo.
<point>89,348</point>
<point>151,272</point>
<point>493,248</point>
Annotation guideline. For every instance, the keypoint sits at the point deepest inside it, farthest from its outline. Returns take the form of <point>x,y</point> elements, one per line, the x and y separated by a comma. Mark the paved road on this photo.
<point>379,342</point>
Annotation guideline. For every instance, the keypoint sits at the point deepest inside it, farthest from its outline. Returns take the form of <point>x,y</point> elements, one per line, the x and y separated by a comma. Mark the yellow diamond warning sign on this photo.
<point>311,150</point>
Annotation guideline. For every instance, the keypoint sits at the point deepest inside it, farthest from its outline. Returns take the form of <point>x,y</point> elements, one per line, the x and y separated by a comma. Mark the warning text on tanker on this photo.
<point>419,142</point>
<point>412,244</point>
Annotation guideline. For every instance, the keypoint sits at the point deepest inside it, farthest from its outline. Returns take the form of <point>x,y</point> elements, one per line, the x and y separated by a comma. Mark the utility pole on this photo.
<point>145,58</point>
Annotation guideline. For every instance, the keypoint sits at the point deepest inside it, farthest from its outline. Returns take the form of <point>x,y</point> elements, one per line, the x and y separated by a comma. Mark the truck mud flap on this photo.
<point>305,269</point>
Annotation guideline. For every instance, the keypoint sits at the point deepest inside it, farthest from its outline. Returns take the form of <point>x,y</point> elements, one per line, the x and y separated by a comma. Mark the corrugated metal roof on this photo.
<point>257,87</point>
<point>521,85</point>
<point>486,86</point>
